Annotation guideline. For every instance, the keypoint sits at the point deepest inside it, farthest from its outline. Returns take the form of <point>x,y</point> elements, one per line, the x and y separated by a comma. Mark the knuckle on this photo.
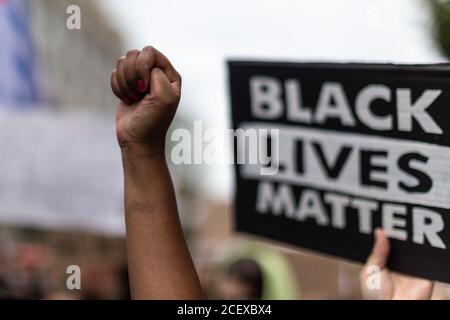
<point>117,92</point>
<point>132,53</point>
<point>120,61</point>
<point>145,60</point>
<point>112,78</point>
<point>149,49</point>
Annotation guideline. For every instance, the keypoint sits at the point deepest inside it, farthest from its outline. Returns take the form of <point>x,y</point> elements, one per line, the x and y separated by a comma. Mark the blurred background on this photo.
<point>60,171</point>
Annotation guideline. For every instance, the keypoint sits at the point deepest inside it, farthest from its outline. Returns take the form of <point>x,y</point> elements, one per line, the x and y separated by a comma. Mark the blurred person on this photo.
<point>242,281</point>
<point>33,260</point>
<point>5,291</point>
<point>252,265</point>
<point>96,282</point>
<point>160,265</point>
<point>33,287</point>
<point>124,283</point>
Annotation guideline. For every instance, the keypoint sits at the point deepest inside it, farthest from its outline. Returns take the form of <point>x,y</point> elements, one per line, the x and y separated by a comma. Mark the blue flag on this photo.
<point>18,83</point>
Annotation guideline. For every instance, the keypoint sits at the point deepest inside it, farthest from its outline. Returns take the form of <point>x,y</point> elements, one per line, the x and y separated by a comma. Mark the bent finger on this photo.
<point>116,88</point>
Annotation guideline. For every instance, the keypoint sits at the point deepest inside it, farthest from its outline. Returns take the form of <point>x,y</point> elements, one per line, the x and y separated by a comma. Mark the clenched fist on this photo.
<point>149,89</point>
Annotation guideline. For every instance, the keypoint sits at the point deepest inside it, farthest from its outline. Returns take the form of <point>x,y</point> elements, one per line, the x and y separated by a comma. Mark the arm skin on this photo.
<point>159,262</point>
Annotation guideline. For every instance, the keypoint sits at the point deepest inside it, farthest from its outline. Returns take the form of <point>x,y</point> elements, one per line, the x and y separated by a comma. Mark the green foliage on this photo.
<point>441,24</point>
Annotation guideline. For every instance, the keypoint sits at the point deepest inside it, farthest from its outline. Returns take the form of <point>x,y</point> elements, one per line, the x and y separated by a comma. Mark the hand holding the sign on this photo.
<point>378,282</point>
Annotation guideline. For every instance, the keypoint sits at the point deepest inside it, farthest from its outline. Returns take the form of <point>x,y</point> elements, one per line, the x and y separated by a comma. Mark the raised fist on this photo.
<point>149,89</point>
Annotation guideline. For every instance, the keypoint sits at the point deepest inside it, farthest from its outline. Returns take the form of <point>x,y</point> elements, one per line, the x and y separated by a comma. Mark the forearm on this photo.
<point>159,262</point>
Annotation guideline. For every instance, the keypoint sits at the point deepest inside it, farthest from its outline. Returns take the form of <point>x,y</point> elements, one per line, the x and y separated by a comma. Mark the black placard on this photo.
<point>358,146</point>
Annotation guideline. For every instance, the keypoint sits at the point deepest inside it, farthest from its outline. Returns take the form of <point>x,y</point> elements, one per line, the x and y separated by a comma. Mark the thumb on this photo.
<point>380,251</point>
<point>160,85</point>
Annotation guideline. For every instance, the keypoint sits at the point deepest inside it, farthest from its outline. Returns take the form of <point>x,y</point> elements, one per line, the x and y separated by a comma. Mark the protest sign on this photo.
<point>352,147</point>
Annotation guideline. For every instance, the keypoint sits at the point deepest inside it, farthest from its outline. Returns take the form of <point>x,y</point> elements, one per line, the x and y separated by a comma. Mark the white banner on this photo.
<point>60,171</point>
